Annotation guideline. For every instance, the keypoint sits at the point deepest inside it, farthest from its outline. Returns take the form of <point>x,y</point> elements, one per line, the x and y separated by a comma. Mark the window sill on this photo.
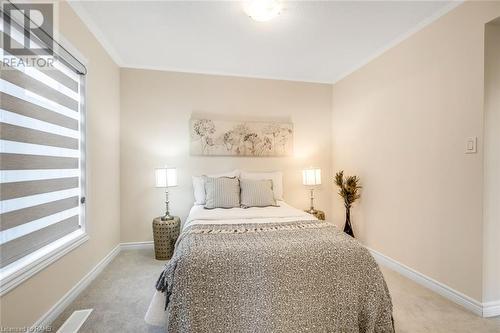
<point>18,272</point>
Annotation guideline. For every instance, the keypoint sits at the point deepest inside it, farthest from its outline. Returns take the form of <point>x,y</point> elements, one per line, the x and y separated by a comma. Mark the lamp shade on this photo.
<point>166,177</point>
<point>311,177</point>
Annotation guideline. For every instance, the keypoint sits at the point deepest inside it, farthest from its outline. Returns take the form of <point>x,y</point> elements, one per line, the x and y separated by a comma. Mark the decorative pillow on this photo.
<point>276,177</point>
<point>199,185</point>
<point>222,192</point>
<point>257,193</point>
<point>199,190</point>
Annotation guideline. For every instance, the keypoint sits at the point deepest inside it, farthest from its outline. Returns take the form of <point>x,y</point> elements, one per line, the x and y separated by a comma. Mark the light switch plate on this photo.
<point>471,145</point>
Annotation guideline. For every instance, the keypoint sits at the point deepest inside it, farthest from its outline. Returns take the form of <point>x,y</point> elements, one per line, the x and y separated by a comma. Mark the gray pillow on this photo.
<point>257,193</point>
<point>222,192</point>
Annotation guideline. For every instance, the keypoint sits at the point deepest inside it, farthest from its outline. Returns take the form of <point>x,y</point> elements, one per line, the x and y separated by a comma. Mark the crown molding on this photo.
<point>98,34</point>
<point>222,73</point>
<point>421,25</point>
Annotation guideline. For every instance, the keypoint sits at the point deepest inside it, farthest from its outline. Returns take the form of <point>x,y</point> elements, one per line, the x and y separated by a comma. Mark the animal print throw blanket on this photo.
<point>274,277</point>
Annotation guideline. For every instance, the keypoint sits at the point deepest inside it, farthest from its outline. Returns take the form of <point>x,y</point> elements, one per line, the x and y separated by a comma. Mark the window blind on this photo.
<point>41,154</point>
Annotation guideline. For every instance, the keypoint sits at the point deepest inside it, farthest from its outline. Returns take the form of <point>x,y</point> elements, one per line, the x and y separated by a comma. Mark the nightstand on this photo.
<point>319,214</point>
<point>165,235</point>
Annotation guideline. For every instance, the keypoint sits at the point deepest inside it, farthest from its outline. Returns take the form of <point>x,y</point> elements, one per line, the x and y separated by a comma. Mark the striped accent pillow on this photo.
<point>257,193</point>
<point>222,192</point>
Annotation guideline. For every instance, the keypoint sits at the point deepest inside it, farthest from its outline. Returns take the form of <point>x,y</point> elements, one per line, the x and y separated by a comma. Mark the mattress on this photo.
<point>283,213</point>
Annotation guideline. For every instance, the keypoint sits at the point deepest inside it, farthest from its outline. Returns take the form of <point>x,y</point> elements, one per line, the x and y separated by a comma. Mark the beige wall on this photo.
<point>29,301</point>
<point>156,107</point>
<point>401,124</point>
<point>491,269</point>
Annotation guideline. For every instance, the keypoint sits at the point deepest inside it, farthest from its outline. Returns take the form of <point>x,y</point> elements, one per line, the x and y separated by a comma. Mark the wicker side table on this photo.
<point>165,235</point>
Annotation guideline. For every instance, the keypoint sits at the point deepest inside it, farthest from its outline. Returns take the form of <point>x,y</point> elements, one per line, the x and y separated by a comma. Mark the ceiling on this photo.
<point>315,41</point>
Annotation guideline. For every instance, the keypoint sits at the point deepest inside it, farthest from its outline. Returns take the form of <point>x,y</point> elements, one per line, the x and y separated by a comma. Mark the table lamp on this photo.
<point>311,177</point>
<point>165,178</point>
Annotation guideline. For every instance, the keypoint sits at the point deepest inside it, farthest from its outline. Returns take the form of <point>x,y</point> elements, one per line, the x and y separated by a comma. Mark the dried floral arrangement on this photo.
<point>349,190</point>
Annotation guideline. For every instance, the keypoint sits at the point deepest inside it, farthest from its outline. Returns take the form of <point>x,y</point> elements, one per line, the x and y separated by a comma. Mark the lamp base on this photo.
<point>312,211</point>
<point>167,217</point>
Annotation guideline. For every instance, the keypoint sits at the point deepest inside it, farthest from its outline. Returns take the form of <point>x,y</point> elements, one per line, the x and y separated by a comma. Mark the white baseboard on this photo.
<point>73,293</point>
<point>136,245</point>
<point>490,309</point>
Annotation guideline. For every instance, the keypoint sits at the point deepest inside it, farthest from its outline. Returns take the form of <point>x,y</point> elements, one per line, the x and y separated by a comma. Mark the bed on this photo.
<point>272,269</point>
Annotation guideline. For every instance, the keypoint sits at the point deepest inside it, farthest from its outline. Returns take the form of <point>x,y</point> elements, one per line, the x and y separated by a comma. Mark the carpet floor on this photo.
<point>120,296</point>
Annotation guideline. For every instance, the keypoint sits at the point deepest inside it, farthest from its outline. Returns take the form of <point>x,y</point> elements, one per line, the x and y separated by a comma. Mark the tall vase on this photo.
<point>348,226</point>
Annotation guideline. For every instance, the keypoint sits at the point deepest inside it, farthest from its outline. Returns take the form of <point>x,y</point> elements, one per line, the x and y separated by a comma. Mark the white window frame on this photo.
<point>22,269</point>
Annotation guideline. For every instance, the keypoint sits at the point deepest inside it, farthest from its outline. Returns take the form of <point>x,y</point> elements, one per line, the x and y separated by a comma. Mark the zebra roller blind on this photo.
<point>41,154</point>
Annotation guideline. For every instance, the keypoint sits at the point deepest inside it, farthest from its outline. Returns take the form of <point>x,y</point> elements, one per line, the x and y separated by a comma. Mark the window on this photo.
<point>42,155</point>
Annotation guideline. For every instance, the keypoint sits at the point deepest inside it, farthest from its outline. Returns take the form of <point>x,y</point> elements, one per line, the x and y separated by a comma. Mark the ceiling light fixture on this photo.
<point>263,10</point>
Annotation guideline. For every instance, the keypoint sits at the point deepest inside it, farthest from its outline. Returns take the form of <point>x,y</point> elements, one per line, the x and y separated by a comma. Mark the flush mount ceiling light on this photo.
<point>263,10</point>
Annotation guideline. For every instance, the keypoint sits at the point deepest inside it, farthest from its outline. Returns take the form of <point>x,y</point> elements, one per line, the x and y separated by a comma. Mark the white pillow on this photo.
<point>199,190</point>
<point>199,185</point>
<point>276,177</point>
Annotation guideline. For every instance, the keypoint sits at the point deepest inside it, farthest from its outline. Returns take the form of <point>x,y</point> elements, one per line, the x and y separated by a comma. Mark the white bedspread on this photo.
<point>283,213</point>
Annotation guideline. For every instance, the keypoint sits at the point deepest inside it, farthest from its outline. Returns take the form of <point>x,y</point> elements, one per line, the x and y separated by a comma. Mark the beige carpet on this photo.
<point>120,297</point>
<point>419,310</point>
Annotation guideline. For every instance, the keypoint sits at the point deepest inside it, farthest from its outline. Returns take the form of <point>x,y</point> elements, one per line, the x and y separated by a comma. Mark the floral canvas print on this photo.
<point>237,138</point>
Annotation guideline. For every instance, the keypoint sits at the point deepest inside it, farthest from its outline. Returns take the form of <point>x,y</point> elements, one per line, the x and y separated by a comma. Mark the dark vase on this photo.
<point>348,226</point>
